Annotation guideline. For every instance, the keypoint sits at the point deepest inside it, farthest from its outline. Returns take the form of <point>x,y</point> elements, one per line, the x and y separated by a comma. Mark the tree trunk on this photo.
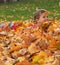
<point>1,0</point>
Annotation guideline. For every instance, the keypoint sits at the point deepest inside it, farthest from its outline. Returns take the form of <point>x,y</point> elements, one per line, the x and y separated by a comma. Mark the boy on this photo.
<point>40,17</point>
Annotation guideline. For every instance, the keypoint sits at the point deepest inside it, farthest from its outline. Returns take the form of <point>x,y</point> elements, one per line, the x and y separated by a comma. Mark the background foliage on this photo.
<point>24,9</point>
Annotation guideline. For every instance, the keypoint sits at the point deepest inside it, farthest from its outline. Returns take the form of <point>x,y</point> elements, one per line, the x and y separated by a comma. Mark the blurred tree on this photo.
<point>1,0</point>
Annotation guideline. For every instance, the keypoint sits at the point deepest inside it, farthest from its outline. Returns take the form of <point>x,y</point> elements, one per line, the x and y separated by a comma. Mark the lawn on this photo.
<point>24,9</point>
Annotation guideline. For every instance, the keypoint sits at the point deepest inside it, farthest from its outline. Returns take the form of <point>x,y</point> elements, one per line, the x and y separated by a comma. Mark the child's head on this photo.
<point>41,16</point>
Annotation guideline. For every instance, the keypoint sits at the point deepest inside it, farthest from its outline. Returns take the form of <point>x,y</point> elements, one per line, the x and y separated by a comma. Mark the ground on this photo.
<point>24,9</point>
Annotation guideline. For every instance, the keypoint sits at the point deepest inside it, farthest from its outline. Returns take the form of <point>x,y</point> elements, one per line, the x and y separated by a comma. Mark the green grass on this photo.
<point>24,9</point>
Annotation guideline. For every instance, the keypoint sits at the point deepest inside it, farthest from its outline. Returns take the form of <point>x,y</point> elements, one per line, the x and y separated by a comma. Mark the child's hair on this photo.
<point>38,13</point>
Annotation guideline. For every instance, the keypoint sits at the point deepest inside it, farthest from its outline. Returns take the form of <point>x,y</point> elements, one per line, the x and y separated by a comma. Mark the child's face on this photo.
<point>43,18</point>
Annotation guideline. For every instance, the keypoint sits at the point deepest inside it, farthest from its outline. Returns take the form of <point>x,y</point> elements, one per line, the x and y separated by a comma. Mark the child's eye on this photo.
<point>47,16</point>
<point>43,16</point>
